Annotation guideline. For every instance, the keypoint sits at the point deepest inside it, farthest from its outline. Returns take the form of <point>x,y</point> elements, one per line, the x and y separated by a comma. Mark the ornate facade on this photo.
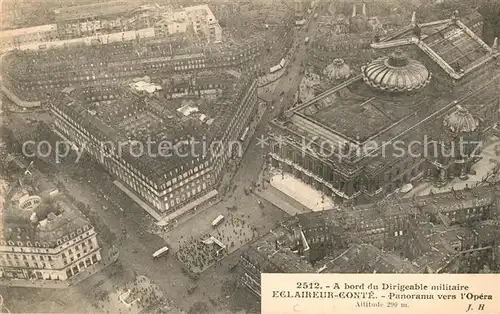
<point>365,138</point>
<point>457,149</point>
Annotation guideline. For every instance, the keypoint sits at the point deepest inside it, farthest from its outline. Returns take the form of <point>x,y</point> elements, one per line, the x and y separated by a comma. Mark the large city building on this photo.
<point>21,36</point>
<point>32,74</point>
<point>439,233</point>
<point>197,19</point>
<point>115,21</point>
<point>102,18</point>
<point>423,80</point>
<point>43,236</point>
<point>348,33</point>
<point>201,117</point>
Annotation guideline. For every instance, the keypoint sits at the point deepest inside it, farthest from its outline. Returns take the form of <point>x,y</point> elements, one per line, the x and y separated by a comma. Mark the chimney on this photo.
<point>363,10</point>
<point>414,18</point>
<point>353,9</point>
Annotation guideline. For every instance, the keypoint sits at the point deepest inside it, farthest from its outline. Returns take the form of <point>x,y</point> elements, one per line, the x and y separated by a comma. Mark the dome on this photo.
<point>461,121</point>
<point>396,73</point>
<point>337,70</point>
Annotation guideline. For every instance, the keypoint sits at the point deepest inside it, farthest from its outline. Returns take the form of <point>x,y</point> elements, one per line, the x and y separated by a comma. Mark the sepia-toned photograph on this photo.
<point>250,156</point>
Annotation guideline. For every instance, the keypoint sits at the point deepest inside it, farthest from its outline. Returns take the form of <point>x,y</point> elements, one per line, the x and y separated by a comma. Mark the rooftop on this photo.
<point>334,115</point>
<point>273,254</point>
<point>35,213</point>
<point>456,46</point>
<point>5,34</point>
<point>341,111</point>
<point>448,43</point>
<point>393,206</point>
<point>440,243</point>
<point>366,258</point>
<point>95,10</point>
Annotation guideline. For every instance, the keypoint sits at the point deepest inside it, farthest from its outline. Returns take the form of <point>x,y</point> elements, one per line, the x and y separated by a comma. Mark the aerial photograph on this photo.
<point>158,156</point>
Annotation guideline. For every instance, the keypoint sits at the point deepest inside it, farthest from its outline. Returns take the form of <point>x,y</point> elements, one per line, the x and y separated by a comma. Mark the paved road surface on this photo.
<point>282,96</point>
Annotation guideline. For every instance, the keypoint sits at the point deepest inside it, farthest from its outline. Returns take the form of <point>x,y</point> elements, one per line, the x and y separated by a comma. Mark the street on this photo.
<point>282,96</point>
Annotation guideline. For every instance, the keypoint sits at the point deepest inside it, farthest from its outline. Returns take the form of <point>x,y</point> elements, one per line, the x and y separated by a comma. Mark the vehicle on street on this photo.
<point>217,221</point>
<point>306,40</point>
<point>160,252</point>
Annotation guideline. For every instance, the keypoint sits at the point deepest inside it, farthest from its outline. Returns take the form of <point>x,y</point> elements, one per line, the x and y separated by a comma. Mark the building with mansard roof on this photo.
<point>167,149</point>
<point>365,137</point>
<point>439,233</point>
<point>43,235</point>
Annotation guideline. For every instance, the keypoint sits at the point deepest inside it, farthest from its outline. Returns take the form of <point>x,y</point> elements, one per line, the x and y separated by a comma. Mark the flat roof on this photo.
<point>456,46</point>
<point>28,30</point>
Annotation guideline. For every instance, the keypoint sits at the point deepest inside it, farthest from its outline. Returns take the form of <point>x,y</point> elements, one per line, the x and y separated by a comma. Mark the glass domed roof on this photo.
<point>396,73</point>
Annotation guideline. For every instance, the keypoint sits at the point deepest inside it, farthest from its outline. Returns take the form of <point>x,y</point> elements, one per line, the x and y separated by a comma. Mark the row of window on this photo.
<point>14,259</point>
<point>72,236</point>
<point>45,244</point>
<point>121,162</point>
<point>7,257</point>
<point>72,256</point>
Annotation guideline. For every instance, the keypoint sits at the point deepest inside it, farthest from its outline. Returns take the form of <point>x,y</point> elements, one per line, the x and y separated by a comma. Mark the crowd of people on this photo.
<point>196,255</point>
<point>233,232</point>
